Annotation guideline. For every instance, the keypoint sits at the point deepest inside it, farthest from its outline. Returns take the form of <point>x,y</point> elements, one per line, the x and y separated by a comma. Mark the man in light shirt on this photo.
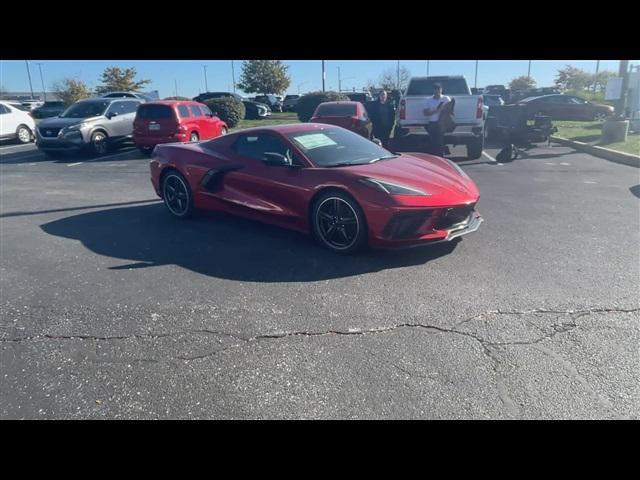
<point>432,109</point>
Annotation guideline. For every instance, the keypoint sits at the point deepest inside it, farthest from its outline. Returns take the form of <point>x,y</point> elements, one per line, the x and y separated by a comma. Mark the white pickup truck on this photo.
<point>468,113</point>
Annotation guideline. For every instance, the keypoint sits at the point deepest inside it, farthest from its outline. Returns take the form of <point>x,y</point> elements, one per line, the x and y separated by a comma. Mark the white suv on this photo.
<point>16,124</point>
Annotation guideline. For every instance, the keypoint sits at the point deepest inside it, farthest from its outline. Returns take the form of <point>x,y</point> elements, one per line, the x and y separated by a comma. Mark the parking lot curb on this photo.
<point>607,154</point>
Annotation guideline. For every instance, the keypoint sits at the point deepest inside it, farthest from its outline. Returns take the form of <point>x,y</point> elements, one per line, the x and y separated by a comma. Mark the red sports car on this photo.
<point>320,179</point>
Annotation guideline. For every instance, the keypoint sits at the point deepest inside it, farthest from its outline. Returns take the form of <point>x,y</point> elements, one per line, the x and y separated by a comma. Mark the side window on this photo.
<point>206,110</point>
<point>3,110</point>
<point>129,107</point>
<point>254,146</point>
<point>184,111</point>
<point>195,111</point>
<point>365,115</point>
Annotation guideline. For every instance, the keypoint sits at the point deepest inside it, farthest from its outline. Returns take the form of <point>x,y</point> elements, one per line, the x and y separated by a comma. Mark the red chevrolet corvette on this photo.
<point>320,179</point>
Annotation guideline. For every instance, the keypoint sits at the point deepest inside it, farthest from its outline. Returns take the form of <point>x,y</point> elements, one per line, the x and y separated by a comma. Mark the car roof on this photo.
<point>170,102</point>
<point>340,102</point>
<point>110,99</point>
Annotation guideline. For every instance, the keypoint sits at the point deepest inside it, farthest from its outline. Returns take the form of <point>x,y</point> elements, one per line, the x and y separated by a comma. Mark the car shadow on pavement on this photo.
<point>635,190</point>
<point>223,246</point>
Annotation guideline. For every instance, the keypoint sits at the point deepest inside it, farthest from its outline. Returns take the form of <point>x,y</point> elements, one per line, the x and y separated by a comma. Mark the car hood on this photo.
<point>433,175</point>
<point>57,122</point>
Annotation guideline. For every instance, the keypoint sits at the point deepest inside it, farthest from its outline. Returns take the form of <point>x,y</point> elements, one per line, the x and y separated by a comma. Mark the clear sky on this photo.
<point>306,75</point>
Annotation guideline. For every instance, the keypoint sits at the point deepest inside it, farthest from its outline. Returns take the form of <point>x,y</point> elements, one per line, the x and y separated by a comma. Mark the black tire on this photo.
<point>338,222</point>
<point>24,134</point>
<point>194,137</point>
<point>98,144</point>
<point>146,150</point>
<point>475,148</point>
<point>177,194</point>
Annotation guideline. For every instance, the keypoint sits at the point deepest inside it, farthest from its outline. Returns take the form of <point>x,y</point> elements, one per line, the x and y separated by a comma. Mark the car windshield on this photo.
<point>336,110</point>
<point>450,86</point>
<point>330,147</point>
<point>85,110</point>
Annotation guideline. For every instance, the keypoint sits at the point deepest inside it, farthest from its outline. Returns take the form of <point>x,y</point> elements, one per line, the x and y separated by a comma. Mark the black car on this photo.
<point>271,100</point>
<point>48,109</point>
<point>253,110</point>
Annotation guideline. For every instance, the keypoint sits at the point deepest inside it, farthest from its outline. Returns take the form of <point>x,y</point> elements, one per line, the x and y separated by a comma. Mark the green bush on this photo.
<point>178,98</point>
<point>597,97</point>
<point>229,109</point>
<point>308,103</point>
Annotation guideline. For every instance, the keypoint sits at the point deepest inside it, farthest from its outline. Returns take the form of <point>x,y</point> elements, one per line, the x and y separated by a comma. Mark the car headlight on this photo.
<point>73,128</point>
<point>392,188</point>
<point>457,167</point>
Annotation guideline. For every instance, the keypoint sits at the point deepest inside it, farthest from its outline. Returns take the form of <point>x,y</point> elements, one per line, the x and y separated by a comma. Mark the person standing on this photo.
<point>383,116</point>
<point>433,106</point>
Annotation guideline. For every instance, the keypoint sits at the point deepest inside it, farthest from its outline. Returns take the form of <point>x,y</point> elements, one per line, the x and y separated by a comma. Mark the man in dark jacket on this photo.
<point>383,116</point>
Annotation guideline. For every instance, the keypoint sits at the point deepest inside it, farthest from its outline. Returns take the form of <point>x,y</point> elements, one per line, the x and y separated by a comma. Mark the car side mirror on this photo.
<point>276,159</point>
<point>110,115</point>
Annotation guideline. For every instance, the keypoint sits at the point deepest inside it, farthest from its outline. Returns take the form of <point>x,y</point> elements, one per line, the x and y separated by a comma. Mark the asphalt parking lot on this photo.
<point>113,309</point>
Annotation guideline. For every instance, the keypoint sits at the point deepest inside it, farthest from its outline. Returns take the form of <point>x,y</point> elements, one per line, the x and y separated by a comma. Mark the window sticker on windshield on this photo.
<point>315,140</point>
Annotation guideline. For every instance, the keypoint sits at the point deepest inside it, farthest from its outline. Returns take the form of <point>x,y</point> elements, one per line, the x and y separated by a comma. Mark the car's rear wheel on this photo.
<point>599,116</point>
<point>177,194</point>
<point>99,144</point>
<point>339,223</point>
<point>475,147</point>
<point>223,131</point>
<point>24,134</point>
<point>194,137</point>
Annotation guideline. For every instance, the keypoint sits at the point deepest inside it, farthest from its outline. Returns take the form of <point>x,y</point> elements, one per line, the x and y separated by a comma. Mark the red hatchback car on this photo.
<point>169,121</point>
<point>350,115</point>
<point>320,179</point>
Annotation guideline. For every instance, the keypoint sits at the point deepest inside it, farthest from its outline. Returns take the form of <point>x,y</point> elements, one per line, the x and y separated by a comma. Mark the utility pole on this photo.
<point>206,86</point>
<point>339,83</point>
<point>44,91</point>
<point>233,77</point>
<point>398,70</point>
<point>529,70</point>
<point>595,83</point>
<point>29,73</point>
<point>427,68</point>
<point>623,72</point>
<point>323,75</point>
<point>475,82</point>
<point>175,83</point>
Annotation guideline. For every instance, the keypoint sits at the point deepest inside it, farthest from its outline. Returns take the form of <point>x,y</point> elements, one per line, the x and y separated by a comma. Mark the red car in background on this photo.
<point>168,121</point>
<point>320,179</point>
<point>350,115</point>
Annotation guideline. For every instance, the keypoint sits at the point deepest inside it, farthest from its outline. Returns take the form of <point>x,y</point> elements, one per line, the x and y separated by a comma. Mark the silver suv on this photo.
<point>93,124</point>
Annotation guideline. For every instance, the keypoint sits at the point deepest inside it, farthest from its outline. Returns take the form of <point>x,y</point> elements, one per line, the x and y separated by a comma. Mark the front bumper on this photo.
<point>414,228</point>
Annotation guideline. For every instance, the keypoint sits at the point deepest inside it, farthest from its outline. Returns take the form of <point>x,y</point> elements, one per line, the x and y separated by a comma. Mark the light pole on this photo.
<point>529,70</point>
<point>29,74</point>
<point>175,83</point>
<point>398,72</point>
<point>323,75</point>
<point>206,86</point>
<point>339,83</point>
<point>427,68</point>
<point>44,92</point>
<point>595,83</point>
<point>233,77</point>
<point>475,82</point>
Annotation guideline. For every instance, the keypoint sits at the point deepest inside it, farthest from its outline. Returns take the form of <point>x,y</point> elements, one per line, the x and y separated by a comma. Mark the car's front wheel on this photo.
<point>599,116</point>
<point>339,223</point>
<point>177,195</point>
<point>475,147</point>
<point>24,134</point>
<point>99,144</point>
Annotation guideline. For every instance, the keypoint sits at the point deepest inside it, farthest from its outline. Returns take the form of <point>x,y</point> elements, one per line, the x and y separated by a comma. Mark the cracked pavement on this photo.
<point>110,309</point>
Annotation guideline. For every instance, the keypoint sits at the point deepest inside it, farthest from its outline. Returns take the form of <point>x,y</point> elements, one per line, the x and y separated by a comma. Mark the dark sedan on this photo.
<point>48,110</point>
<point>566,107</point>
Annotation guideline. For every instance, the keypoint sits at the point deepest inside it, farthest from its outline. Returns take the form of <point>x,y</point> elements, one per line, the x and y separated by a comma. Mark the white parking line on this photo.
<point>491,158</point>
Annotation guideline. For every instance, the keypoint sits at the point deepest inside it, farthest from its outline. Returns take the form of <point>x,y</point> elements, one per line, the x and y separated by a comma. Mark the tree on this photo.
<point>264,76</point>
<point>389,78</point>
<point>522,83</point>
<point>116,79</point>
<point>599,80</point>
<point>572,78</point>
<point>71,90</point>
